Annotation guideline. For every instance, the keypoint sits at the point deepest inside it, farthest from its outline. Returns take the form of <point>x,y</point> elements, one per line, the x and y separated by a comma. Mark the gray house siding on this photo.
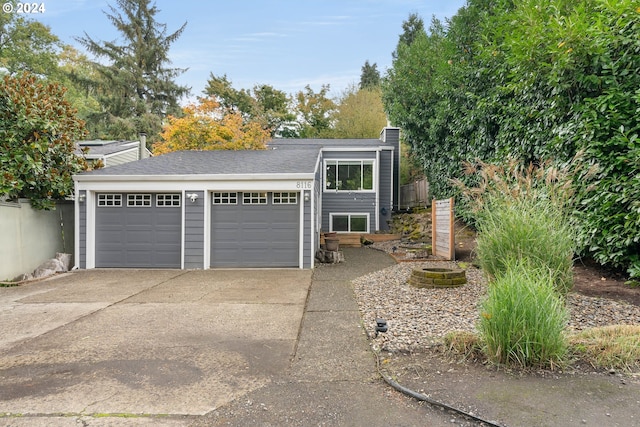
<point>348,155</point>
<point>82,249</point>
<point>194,231</point>
<point>348,203</point>
<point>385,189</point>
<point>391,136</point>
<point>307,230</point>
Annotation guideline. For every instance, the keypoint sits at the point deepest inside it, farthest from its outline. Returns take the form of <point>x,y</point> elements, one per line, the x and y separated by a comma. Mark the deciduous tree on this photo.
<point>360,114</point>
<point>208,126</point>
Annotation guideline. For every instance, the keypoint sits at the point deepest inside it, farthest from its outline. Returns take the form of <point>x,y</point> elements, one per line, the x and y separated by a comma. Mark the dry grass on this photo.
<point>609,347</point>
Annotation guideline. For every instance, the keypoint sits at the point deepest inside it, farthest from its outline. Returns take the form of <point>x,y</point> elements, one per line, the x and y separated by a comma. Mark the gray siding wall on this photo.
<point>307,252</point>
<point>194,231</point>
<point>391,136</point>
<point>82,255</point>
<point>120,158</point>
<point>351,203</point>
<point>347,202</point>
<point>385,189</point>
<point>356,155</point>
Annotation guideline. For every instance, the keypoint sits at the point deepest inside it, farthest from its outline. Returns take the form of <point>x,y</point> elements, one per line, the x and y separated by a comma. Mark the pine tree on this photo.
<point>136,87</point>
<point>370,77</point>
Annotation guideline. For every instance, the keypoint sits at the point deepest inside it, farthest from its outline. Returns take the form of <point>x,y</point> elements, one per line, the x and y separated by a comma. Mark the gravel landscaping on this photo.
<point>419,317</point>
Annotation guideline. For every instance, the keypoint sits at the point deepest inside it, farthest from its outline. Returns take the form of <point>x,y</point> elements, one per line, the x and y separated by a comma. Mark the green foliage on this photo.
<point>520,214</point>
<point>315,112</point>
<point>523,318</point>
<point>264,104</point>
<point>26,45</point>
<point>370,76</point>
<point>135,86</point>
<point>531,80</point>
<point>38,130</point>
<point>359,114</point>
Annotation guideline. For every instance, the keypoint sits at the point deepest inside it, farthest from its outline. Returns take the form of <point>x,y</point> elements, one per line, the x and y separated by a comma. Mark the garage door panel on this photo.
<point>261,235</point>
<point>138,236</point>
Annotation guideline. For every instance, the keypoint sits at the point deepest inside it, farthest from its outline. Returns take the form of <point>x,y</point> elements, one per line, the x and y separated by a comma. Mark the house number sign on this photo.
<point>303,185</point>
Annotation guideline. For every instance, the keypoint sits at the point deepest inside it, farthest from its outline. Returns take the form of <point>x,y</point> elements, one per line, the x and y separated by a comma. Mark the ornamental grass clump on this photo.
<point>523,318</point>
<point>521,213</point>
<point>526,229</point>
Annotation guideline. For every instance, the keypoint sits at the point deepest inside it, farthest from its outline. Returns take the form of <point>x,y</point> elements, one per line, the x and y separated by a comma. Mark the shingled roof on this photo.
<point>217,162</point>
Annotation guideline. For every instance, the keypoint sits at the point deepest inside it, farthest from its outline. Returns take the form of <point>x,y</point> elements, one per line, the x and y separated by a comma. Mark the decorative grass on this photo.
<point>522,320</point>
<point>526,229</point>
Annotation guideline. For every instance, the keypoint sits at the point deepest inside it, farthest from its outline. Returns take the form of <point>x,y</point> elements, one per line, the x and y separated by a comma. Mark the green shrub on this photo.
<point>523,318</point>
<point>526,229</point>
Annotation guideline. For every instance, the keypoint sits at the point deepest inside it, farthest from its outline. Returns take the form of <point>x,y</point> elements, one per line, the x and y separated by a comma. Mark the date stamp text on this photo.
<point>23,8</point>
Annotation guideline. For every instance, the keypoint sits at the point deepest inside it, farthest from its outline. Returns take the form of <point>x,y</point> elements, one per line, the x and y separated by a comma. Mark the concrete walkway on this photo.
<point>333,380</point>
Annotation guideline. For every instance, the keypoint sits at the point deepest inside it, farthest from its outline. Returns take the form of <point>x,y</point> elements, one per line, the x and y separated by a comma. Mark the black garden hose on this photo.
<point>421,397</point>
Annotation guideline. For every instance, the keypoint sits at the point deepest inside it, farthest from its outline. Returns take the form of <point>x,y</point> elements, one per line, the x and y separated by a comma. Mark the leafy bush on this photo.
<point>533,79</point>
<point>523,318</point>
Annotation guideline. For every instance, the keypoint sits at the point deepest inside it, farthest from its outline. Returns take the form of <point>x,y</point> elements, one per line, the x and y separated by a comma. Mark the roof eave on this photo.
<point>195,177</point>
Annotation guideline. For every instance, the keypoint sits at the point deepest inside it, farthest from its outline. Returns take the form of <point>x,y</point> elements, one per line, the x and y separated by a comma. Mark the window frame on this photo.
<point>349,162</point>
<point>144,198</point>
<point>349,215</point>
<point>285,198</point>
<point>168,200</point>
<point>114,198</point>
<point>255,198</point>
<point>224,198</point>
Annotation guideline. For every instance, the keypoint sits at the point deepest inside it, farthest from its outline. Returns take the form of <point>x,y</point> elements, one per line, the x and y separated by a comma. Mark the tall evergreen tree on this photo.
<point>136,85</point>
<point>411,29</point>
<point>370,77</point>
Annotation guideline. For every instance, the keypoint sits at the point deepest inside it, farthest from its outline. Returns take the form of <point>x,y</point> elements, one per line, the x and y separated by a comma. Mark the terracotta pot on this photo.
<point>331,244</point>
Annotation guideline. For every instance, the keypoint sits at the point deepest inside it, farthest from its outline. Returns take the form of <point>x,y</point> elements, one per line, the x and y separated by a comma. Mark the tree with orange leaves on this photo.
<point>205,126</point>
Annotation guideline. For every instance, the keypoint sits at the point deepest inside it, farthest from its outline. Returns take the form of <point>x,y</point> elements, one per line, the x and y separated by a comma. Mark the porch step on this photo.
<point>353,240</point>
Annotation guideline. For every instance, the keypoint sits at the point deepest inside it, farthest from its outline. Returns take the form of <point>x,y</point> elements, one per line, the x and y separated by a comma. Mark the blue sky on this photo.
<point>285,43</point>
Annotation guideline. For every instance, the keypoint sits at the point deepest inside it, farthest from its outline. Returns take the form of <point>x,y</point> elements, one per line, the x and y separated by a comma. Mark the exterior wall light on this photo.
<point>81,197</point>
<point>193,197</point>
<point>307,196</point>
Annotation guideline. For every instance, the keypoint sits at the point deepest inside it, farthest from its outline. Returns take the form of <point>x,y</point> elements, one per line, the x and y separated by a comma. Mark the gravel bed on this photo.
<point>419,317</point>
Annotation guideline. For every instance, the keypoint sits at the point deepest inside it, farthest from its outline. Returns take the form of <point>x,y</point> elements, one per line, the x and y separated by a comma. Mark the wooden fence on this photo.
<point>443,236</point>
<point>414,194</point>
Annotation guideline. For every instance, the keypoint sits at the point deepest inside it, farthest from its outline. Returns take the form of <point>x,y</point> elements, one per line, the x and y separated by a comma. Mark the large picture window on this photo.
<point>349,223</point>
<point>349,175</point>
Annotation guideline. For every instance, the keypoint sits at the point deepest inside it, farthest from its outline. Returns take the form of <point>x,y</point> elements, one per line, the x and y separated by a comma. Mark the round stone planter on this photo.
<point>437,278</point>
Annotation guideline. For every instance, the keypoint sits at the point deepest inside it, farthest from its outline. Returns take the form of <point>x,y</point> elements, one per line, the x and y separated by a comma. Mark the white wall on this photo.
<point>29,237</point>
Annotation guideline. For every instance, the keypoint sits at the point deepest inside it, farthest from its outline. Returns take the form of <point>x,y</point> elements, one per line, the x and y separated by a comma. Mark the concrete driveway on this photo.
<point>99,346</point>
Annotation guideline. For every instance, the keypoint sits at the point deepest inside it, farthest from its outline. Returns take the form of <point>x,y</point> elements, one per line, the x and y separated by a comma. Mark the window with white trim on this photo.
<point>254,198</point>
<point>138,200</point>
<point>168,200</point>
<point>285,198</point>
<point>225,198</point>
<point>348,175</point>
<point>349,223</point>
<point>109,200</point>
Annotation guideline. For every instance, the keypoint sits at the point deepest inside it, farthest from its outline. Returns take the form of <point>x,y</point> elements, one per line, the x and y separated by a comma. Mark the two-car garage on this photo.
<point>200,210</point>
<point>246,229</point>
